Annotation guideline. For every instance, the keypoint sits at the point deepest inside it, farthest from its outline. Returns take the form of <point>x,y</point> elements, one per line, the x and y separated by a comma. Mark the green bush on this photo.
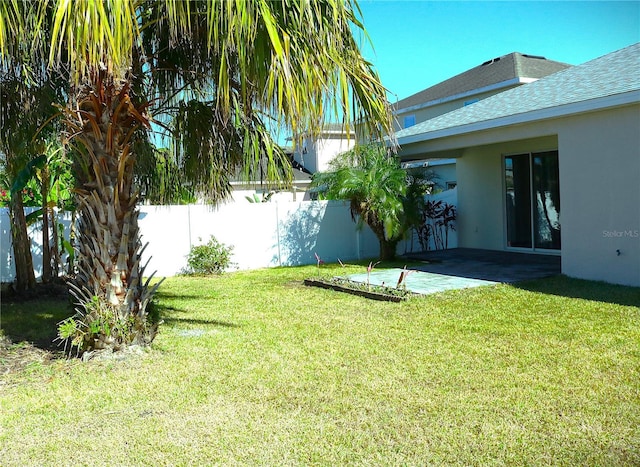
<point>98,324</point>
<point>211,258</point>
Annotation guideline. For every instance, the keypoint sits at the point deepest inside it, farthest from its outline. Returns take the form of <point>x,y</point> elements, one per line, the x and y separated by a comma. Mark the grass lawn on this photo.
<point>253,368</point>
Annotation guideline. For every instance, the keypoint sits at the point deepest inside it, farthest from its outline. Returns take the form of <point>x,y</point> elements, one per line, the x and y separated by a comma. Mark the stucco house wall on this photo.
<point>481,199</point>
<point>599,158</point>
<point>314,154</point>
<point>427,111</point>
<point>599,164</point>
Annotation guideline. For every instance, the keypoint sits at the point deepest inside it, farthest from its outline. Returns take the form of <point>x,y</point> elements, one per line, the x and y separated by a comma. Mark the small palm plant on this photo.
<point>376,187</point>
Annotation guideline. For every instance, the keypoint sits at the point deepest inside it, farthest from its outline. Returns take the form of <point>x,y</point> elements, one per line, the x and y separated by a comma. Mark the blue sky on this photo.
<point>419,43</point>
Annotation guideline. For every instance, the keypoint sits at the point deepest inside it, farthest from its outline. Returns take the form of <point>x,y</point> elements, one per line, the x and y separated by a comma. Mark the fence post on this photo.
<point>189,225</point>
<point>278,235</point>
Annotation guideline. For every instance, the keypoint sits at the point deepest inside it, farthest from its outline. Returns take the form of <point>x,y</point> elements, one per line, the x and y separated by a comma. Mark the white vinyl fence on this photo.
<point>7,267</point>
<point>412,244</point>
<point>262,235</point>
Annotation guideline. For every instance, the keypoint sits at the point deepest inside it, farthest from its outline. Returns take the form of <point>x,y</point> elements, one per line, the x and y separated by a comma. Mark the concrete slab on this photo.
<point>489,265</point>
<point>420,282</point>
<point>461,268</point>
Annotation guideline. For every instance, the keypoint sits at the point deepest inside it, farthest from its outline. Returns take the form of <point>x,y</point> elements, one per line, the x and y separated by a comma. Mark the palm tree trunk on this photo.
<point>25,277</point>
<point>109,283</point>
<point>387,249</point>
<point>46,247</point>
<point>71,258</point>
<point>55,249</point>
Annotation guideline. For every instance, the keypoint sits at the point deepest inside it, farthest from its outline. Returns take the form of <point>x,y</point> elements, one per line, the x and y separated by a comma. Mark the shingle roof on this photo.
<point>298,176</point>
<point>329,129</point>
<point>500,69</point>
<point>609,75</point>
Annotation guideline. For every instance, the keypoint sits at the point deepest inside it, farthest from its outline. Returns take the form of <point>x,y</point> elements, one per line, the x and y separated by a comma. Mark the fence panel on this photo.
<point>262,234</point>
<point>34,231</point>
<point>412,244</point>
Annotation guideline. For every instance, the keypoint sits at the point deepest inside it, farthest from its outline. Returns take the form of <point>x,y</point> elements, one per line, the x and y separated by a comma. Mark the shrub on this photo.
<point>211,258</point>
<point>98,325</point>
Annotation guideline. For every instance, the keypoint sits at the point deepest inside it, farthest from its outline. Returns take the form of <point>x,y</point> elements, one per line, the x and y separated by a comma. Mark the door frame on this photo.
<point>532,249</point>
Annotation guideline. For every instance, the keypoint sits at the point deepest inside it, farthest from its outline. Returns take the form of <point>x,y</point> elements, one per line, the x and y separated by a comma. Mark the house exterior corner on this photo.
<point>600,192</point>
<point>550,167</point>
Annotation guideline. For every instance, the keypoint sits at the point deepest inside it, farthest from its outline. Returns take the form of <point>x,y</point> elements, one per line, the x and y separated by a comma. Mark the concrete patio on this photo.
<point>462,268</point>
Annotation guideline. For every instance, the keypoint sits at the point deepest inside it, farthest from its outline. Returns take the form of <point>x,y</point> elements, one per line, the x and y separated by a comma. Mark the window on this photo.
<point>409,120</point>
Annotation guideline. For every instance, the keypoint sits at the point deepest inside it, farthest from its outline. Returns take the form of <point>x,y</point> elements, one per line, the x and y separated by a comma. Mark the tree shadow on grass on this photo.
<point>171,315</point>
<point>169,296</point>
<point>200,322</point>
<point>587,290</point>
<point>34,321</point>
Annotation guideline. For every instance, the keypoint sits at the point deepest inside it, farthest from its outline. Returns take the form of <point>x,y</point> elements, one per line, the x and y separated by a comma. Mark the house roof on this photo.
<point>299,174</point>
<point>299,178</point>
<point>328,129</point>
<point>509,69</point>
<point>610,80</point>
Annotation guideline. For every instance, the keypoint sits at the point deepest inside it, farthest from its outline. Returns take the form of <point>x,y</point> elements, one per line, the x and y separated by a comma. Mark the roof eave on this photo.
<point>257,183</point>
<point>473,92</point>
<point>601,103</point>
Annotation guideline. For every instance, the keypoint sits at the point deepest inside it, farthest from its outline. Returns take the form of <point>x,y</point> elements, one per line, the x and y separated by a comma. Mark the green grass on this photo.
<point>253,368</point>
<point>34,320</point>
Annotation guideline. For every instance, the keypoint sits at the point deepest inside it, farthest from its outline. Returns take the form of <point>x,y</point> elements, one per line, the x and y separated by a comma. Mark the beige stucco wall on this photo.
<point>480,191</point>
<point>444,173</point>
<point>435,110</point>
<point>316,153</point>
<point>600,195</point>
<point>599,163</point>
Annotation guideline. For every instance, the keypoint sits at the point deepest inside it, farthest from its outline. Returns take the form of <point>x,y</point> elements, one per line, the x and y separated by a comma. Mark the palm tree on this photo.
<point>50,173</point>
<point>378,191</point>
<point>12,144</point>
<point>24,108</point>
<point>207,74</point>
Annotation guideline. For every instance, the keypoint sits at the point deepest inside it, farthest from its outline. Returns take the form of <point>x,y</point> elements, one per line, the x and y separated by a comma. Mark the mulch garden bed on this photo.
<point>373,292</point>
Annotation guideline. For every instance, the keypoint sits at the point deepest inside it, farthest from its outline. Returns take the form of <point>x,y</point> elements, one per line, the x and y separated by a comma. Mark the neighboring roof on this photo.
<point>608,81</point>
<point>299,174</point>
<point>299,177</point>
<point>514,68</point>
<point>331,129</point>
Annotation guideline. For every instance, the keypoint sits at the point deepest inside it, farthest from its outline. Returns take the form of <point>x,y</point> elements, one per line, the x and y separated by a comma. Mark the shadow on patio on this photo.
<point>522,270</point>
<point>487,265</point>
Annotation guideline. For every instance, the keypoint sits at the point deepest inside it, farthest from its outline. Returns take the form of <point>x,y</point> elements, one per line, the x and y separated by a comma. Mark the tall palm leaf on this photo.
<point>207,74</point>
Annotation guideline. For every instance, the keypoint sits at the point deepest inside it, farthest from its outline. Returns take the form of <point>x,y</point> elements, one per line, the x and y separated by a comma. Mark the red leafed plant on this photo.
<point>403,275</point>
<point>369,269</point>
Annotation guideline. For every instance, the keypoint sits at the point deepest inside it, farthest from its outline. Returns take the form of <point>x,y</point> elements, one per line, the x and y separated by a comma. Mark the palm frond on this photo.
<point>91,34</point>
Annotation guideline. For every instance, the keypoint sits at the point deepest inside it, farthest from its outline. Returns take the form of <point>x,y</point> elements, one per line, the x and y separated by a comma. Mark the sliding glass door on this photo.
<point>533,200</point>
